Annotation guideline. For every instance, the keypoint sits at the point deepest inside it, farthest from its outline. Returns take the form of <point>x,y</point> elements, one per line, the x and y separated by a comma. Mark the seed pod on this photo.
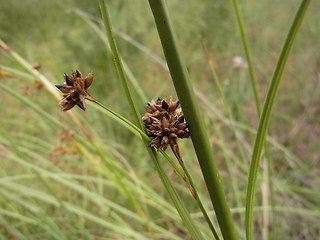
<point>165,123</point>
<point>75,90</point>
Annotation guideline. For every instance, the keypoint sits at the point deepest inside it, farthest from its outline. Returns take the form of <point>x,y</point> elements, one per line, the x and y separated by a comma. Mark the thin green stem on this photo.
<point>232,165</point>
<point>192,113</point>
<point>248,56</point>
<point>126,121</point>
<point>175,167</point>
<point>266,115</point>
<point>197,197</point>
<point>258,106</point>
<point>118,63</point>
<point>226,105</point>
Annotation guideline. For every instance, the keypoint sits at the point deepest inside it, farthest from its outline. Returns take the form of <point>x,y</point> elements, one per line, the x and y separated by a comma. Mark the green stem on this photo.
<point>191,111</point>
<point>225,103</point>
<point>248,56</point>
<point>266,115</point>
<point>199,202</point>
<point>118,63</point>
<point>256,96</point>
<point>133,126</point>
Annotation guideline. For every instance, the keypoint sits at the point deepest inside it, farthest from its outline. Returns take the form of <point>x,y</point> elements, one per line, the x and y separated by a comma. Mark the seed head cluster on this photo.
<point>165,123</point>
<point>75,90</point>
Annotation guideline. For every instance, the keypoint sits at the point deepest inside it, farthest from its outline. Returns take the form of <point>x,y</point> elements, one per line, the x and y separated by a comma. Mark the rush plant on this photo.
<point>160,129</point>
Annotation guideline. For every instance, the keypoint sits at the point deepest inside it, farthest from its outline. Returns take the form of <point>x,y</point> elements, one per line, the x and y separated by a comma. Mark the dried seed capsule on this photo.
<point>182,126</point>
<point>164,123</point>
<point>164,105</point>
<point>75,90</point>
<point>146,119</point>
<point>173,106</point>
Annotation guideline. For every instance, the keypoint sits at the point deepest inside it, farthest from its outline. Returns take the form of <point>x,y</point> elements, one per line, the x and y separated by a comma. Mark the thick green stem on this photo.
<point>266,115</point>
<point>191,111</point>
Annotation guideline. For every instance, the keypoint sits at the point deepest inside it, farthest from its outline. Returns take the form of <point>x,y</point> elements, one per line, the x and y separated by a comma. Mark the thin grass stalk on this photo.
<point>191,111</point>
<point>185,216</point>
<point>272,219</point>
<point>248,56</point>
<point>265,199</point>
<point>266,115</point>
<point>188,179</point>
<point>118,63</point>
<point>266,170</point>
<point>226,105</point>
<point>231,165</point>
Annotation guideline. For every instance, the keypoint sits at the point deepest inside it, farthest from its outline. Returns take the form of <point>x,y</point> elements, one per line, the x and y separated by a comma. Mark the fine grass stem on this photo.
<point>226,105</point>
<point>189,181</point>
<point>266,115</point>
<point>267,170</point>
<point>248,56</point>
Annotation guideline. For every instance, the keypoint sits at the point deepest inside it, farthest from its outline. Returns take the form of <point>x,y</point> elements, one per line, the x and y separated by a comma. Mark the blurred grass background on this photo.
<point>47,179</point>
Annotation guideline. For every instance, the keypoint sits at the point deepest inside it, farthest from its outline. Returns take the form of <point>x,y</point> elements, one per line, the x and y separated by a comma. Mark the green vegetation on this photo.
<point>88,175</point>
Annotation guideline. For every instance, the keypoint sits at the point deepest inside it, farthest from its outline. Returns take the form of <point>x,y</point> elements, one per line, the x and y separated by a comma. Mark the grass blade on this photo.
<point>266,115</point>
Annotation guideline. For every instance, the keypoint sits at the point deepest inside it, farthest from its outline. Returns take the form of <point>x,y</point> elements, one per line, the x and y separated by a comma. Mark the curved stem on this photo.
<point>266,115</point>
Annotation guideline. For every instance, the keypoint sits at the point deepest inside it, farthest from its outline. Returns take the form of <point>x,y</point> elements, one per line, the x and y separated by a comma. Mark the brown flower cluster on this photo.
<point>75,90</point>
<point>165,124</point>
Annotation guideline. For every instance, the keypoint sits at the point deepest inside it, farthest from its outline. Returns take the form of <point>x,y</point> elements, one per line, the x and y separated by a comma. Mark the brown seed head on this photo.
<point>164,123</point>
<point>75,90</point>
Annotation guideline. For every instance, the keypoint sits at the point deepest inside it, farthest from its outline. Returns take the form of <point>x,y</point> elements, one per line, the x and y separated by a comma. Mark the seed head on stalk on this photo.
<point>165,124</point>
<point>75,90</point>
